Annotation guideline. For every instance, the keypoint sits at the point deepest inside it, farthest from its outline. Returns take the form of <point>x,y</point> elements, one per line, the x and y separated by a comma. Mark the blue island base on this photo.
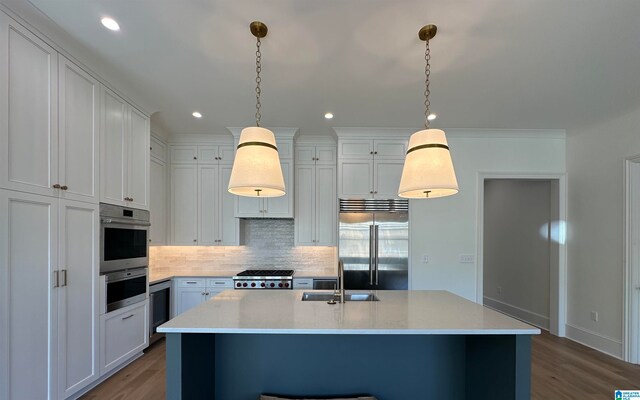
<point>390,367</point>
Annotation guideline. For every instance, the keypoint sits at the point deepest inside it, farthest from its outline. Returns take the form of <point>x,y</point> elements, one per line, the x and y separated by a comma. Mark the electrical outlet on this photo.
<point>425,259</point>
<point>467,258</point>
<point>499,289</point>
<point>594,316</point>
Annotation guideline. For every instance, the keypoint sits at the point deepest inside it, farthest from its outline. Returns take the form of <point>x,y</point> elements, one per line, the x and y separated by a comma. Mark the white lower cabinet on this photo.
<point>124,333</point>
<point>49,253</point>
<point>192,292</point>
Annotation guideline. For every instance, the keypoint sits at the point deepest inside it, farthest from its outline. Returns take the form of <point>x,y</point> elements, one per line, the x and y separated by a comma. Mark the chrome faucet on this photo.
<point>341,280</point>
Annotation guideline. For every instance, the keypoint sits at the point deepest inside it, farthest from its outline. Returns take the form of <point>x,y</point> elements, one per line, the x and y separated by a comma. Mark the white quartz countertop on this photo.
<point>398,312</point>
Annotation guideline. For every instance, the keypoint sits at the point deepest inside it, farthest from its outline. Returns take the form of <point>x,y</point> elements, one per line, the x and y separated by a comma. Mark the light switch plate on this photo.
<point>467,258</point>
<point>425,259</point>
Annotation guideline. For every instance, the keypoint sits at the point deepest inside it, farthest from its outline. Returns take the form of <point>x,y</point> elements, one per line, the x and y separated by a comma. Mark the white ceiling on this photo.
<point>495,63</point>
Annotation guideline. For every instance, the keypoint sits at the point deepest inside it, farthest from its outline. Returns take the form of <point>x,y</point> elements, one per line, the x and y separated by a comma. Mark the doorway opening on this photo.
<point>521,247</point>
<point>632,261</point>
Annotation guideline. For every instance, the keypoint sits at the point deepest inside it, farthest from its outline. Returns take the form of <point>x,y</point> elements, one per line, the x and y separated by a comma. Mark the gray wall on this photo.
<point>517,217</point>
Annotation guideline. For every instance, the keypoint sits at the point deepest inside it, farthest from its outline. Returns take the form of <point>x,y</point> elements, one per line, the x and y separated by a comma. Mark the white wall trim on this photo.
<point>631,303</point>
<point>559,309</point>
<point>594,340</point>
<point>539,320</point>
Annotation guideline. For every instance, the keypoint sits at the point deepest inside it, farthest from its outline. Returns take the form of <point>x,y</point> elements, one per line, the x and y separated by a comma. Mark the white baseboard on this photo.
<point>596,341</point>
<point>530,317</point>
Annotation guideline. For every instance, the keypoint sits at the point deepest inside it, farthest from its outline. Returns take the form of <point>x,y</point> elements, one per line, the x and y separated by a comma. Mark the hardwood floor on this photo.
<point>561,369</point>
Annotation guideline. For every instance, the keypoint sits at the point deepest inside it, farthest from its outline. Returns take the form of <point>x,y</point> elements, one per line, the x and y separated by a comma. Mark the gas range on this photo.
<point>264,279</point>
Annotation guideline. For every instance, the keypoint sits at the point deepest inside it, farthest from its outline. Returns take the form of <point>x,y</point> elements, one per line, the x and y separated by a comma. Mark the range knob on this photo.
<point>280,284</point>
<point>253,284</point>
<point>263,284</point>
<point>238,284</point>
<point>286,285</point>
<point>272,284</point>
<point>244,284</point>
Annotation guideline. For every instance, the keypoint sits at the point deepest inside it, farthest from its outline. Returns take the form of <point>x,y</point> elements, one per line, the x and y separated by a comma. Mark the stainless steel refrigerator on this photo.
<point>374,243</point>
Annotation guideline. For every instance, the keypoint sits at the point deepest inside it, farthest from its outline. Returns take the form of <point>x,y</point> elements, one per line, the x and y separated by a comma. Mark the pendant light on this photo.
<point>256,168</point>
<point>428,169</point>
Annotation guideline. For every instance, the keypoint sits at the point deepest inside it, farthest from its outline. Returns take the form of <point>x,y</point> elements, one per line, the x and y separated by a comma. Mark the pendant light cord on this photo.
<point>427,74</point>
<point>258,81</point>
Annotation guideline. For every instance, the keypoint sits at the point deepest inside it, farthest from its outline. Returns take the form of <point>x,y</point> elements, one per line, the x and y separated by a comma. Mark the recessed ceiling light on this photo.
<point>197,114</point>
<point>110,24</point>
<point>328,115</point>
<point>431,117</point>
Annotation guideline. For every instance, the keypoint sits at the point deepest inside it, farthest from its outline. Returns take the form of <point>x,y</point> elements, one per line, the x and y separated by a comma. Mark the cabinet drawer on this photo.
<point>124,333</point>
<point>303,283</point>
<point>390,149</point>
<point>219,283</point>
<point>158,149</point>
<point>197,282</point>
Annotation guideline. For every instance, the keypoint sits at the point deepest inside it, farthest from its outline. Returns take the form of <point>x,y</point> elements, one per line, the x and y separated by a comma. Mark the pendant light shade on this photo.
<point>428,169</point>
<point>256,169</point>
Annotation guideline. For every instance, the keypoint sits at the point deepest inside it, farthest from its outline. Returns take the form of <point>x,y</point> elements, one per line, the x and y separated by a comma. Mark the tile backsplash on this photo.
<point>267,243</point>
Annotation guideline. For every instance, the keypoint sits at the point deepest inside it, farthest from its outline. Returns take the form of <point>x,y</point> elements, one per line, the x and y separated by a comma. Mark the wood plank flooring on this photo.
<point>561,369</point>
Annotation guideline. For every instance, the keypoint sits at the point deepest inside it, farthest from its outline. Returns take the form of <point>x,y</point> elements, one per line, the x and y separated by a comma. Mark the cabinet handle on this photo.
<point>206,294</point>
<point>191,282</point>
<point>130,198</point>
<point>195,240</point>
<point>371,152</point>
<point>375,192</point>
<point>56,279</point>
<point>56,186</point>
<point>64,277</point>
<point>375,152</point>
<point>195,158</point>
<point>371,192</point>
<point>150,148</point>
<point>64,187</point>
<point>128,317</point>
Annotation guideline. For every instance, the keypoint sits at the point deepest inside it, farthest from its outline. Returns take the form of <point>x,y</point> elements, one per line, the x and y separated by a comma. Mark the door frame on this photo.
<point>631,303</point>
<point>558,298</point>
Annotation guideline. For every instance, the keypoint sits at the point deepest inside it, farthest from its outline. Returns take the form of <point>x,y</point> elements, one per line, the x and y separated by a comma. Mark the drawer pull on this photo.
<point>128,317</point>
<point>191,283</point>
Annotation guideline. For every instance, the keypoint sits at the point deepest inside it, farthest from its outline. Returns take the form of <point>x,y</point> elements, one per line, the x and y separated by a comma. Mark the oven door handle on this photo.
<point>128,222</point>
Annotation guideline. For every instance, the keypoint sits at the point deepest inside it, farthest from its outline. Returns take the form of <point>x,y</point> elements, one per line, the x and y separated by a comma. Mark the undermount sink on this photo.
<point>328,296</point>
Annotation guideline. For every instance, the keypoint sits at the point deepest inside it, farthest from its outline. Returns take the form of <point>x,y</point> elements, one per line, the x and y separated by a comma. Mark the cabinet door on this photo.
<point>208,186</point>
<point>138,165</point>
<point>78,301</point>
<point>355,179</point>
<point>208,155</point>
<point>187,298</point>
<point>28,257</point>
<point>389,149</point>
<point>158,149</point>
<point>184,154</point>
<point>158,202</point>
<point>249,207</point>
<point>112,148</point>
<point>355,149</point>
<point>387,176</point>
<point>184,204</point>
<point>305,205</point>
<point>305,155</point>
<point>229,226</point>
<point>123,334</point>
<point>226,154</point>
<point>282,207</point>
<point>326,205</point>
<point>28,111</point>
<point>326,155</point>
<point>78,135</point>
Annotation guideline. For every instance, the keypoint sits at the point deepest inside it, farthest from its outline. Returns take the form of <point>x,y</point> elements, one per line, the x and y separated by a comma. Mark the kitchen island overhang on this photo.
<point>408,345</point>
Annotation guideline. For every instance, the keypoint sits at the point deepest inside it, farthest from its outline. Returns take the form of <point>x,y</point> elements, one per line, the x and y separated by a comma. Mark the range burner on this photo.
<point>264,279</point>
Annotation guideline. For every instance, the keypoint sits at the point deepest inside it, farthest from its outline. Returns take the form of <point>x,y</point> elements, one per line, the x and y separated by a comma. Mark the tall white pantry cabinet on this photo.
<point>49,216</point>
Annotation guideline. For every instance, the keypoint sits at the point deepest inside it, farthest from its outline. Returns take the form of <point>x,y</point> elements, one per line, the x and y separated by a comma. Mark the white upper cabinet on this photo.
<point>78,133</point>
<point>29,132</point>
<point>370,168</point>
<point>158,201</point>
<point>270,207</point>
<point>184,204</point>
<point>124,155</point>
<point>316,200</point>
<point>222,154</point>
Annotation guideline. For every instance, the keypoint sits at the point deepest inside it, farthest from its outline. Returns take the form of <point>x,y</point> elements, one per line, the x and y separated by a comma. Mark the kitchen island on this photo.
<point>407,345</point>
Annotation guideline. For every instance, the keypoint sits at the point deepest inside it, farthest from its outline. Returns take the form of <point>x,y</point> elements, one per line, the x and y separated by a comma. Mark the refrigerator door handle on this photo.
<point>372,247</point>
<point>375,241</point>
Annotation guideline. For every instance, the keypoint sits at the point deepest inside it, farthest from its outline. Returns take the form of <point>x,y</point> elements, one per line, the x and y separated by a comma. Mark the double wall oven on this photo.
<point>124,255</point>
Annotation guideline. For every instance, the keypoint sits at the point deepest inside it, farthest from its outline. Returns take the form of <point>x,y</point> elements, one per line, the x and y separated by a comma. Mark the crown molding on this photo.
<point>404,133</point>
<point>316,140</point>
<point>278,132</point>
